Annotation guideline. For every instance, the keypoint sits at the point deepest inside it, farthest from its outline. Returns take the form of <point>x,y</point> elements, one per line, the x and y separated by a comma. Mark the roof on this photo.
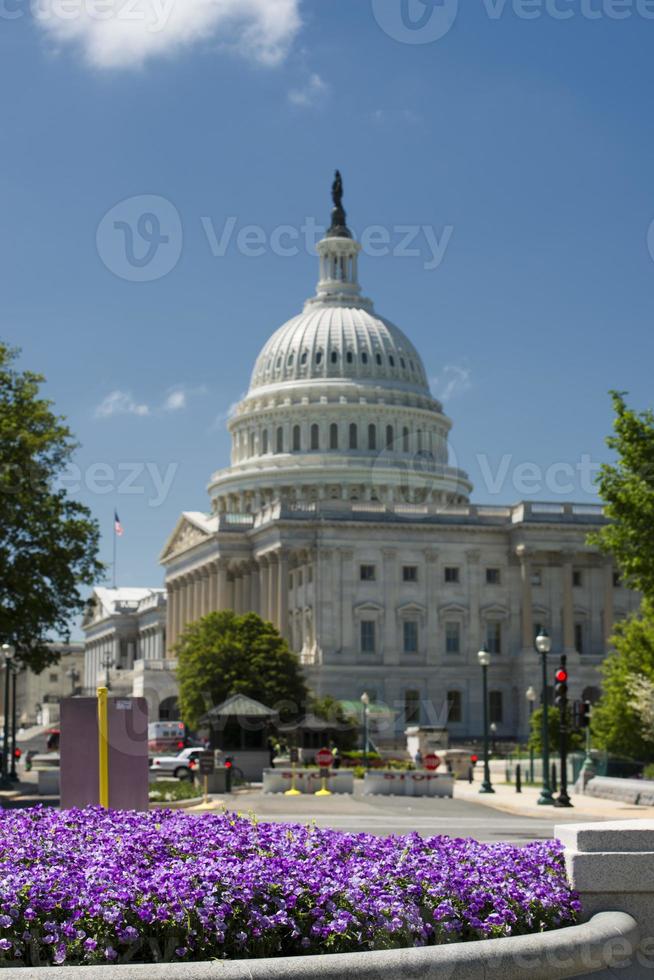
<point>113,599</point>
<point>241,706</point>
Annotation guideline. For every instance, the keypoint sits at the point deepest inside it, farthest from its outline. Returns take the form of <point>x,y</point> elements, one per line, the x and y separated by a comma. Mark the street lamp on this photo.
<point>365,701</point>
<point>73,673</point>
<point>13,775</point>
<point>531,696</point>
<point>493,731</point>
<point>107,662</point>
<point>484,658</point>
<point>543,646</point>
<point>7,653</point>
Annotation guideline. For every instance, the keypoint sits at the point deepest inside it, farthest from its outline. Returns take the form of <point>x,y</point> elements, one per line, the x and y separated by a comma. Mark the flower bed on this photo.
<point>87,886</point>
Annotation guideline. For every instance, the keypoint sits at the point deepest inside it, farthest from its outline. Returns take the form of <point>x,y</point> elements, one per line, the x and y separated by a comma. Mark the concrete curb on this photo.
<point>177,804</point>
<point>610,939</point>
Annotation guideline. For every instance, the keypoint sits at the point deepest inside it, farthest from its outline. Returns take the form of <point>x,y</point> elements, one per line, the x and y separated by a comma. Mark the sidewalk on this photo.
<point>525,803</point>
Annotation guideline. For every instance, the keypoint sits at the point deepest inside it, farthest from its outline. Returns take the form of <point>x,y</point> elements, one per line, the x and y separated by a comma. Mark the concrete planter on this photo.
<point>392,782</point>
<point>608,941</point>
<point>307,780</point>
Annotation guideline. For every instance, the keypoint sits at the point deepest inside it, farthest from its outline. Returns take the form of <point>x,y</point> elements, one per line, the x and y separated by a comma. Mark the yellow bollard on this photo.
<point>293,791</point>
<point>103,749</point>
<point>324,773</point>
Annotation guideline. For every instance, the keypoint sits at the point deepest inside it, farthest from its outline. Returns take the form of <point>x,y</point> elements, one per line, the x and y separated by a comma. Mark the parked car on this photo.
<point>180,766</point>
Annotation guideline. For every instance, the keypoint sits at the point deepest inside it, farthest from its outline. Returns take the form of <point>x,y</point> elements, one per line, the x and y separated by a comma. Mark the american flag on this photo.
<point>118,527</point>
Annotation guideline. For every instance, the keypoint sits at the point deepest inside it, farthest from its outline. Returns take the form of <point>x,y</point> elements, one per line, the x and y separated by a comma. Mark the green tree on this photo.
<point>331,710</point>
<point>617,723</point>
<point>627,487</point>
<point>575,739</point>
<point>224,654</point>
<point>48,542</point>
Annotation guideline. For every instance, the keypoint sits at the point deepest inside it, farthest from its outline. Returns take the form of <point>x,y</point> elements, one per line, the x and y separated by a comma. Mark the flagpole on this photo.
<point>114,536</point>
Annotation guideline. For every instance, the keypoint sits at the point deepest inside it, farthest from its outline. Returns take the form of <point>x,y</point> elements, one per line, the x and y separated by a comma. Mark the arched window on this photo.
<point>402,362</point>
<point>364,357</point>
<point>391,360</point>
<point>333,436</point>
<point>349,357</point>
<point>454,707</point>
<point>372,437</point>
<point>305,355</point>
<point>334,356</point>
<point>354,436</point>
<point>280,440</point>
<point>390,436</point>
<point>378,358</point>
<point>319,357</point>
<point>296,439</point>
<point>405,440</point>
<point>315,436</point>
<point>264,441</point>
<point>290,360</point>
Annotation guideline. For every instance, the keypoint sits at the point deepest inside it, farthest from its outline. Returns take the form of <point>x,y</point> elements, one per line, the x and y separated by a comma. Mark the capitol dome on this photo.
<point>339,405</point>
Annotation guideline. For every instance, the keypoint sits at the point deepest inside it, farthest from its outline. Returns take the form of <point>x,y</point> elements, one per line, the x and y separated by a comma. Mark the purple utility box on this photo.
<point>128,753</point>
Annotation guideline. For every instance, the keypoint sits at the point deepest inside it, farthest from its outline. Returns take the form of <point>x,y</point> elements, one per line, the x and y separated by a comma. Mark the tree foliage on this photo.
<point>618,723</point>
<point>346,735</point>
<point>627,487</point>
<point>575,739</point>
<point>48,542</point>
<point>224,654</point>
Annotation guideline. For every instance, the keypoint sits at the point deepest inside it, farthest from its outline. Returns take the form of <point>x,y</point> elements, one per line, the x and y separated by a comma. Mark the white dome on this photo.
<point>340,342</point>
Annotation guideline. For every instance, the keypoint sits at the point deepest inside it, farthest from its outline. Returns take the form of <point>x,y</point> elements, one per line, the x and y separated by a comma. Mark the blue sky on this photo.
<point>524,146</point>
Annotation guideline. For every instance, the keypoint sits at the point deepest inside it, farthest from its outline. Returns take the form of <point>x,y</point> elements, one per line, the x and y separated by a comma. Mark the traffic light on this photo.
<point>584,713</point>
<point>561,686</point>
<point>474,759</point>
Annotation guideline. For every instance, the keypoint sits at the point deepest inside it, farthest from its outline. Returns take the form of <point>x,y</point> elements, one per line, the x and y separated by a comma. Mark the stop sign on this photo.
<point>324,758</point>
<point>431,761</point>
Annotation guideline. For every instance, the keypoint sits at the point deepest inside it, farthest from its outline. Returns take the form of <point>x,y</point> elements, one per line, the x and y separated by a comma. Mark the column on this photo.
<point>265,609</point>
<point>247,588</point>
<point>282,592</point>
<point>388,642</point>
<point>527,603</point>
<point>214,592</point>
<point>609,612</point>
<point>187,596</point>
<point>568,605</point>
<point>238,592</point>
<point>272,589</point>
<point>431,603</point>
<point>171,612</point>
<point>222,585</point>
<point>347,596</point>
<point>475,639</point>
<point>255,595</point>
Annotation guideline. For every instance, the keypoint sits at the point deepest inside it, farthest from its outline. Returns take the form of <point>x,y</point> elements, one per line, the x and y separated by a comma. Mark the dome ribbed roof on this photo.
<point>348,342</point>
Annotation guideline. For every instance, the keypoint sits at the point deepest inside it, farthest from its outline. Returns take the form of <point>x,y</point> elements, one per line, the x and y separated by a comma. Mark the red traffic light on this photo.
<point>561,676</point>
<point>474,758</point>
<point>228,764</point>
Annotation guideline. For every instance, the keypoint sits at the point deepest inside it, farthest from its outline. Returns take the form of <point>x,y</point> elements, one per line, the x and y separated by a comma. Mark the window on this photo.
<point>579,637</point>
<point>367,573</point>
<point>367,636</point>
<point>412,707</point>
<point>354,436</point>
<point>495,708</point>
<point>310,574</point>
<point>378,358</point>
<point>391,360</point>
<point>319,357</point>
<point>493,576</point>
<point>349,357</point>
<point>280,440</point>
<point>409,573</point>
<point>451,575</point>
<point>364,357</point>
<point>305,355</point>
<point>454,707</point>
<point>315,436</point>
<point>537,577</point>
<point>372,437</point>
<point>410,630</point>
<point>453,638</point>
<point>494,637</point>
<point>617,581</point>
<point>334,357</point>
<point>390,436</point>
<point>296,438</point>
<point>333,436</point>
<point>577,578</point>
<point>54,678</point>
<point>405,440</point>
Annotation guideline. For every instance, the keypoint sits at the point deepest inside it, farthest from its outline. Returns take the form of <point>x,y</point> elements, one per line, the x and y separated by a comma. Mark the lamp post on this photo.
<point>73,673</point>
<point>13,775</point>
<point>365,701</point>
<point>543,646</point>
<point>531,696</point>
<point>107,663</point>
<point>484,660</point>
<point>7,653</point>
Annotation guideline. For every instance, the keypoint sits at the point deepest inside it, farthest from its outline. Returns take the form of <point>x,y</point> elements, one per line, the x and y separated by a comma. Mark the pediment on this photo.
<point>494,611</point>
<point>190,531</point>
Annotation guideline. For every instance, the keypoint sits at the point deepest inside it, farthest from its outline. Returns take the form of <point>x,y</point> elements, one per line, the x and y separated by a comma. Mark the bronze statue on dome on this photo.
<point>339,227</point>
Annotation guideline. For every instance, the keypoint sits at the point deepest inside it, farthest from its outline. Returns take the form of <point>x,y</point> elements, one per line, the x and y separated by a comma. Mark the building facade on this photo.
<point>38,695</point>
<point>341,520</point>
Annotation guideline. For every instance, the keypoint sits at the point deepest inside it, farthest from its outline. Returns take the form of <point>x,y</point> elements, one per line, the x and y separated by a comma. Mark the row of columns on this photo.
<point>568,615</point>
<point>259,586</point>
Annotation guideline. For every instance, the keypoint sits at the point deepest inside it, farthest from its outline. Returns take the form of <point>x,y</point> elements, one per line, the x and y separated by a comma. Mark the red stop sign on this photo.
<point>324,758</point>
<point>431,761</point>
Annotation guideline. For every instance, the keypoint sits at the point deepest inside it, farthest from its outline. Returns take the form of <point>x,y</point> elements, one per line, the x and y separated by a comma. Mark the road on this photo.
<point>382,815</point>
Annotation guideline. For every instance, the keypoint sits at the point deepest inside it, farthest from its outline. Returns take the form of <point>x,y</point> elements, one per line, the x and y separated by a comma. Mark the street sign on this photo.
<point>324,758</point>
<point>207,765</point>
<point>431,761</point>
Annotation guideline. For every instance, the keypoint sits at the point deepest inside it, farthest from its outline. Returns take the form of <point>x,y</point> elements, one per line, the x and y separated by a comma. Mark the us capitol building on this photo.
<point>342,522</point>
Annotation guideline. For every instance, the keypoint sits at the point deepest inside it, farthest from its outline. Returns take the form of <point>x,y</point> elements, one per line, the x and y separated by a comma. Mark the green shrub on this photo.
<point>171,790</point>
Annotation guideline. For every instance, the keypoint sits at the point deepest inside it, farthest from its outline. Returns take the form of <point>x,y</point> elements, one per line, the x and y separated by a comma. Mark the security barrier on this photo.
<point>307,780</point>
<point>384,782</point>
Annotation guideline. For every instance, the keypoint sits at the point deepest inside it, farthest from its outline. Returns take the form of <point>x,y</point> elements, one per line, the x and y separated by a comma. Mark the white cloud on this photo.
<point>313,91</point>
<point>175,400</point>
<point>395,117</point>
<point>119,403</point>
<point>453,380</point>
<point>128,33</point>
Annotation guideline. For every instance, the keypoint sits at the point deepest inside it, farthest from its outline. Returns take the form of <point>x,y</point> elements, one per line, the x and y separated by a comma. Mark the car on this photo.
<point>180,766</point>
